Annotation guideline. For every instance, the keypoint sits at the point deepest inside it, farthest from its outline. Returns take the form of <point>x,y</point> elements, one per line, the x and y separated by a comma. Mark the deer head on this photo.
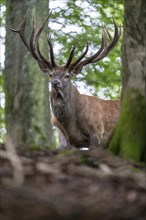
<point>61,75</point>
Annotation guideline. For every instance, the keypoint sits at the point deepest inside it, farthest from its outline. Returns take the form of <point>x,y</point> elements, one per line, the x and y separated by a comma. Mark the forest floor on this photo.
<point>85,185</point>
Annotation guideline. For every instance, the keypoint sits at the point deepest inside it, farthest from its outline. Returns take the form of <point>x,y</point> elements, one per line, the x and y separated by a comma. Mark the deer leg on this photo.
<point>94,141</point>
<point>64,143</point>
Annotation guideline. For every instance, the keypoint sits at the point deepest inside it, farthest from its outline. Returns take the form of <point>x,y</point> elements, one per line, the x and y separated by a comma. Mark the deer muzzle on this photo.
<point>56,83</point>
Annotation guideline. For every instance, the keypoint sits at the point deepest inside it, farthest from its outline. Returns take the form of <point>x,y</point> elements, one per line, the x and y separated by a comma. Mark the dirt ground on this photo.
<point>85,185</point>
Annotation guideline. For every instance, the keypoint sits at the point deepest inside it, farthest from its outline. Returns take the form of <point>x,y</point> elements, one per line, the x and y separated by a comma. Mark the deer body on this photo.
<point>85,121</point>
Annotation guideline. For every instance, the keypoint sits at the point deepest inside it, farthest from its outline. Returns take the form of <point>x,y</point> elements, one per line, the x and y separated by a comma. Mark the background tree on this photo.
<point>26,88</point>
<point>129,139</point>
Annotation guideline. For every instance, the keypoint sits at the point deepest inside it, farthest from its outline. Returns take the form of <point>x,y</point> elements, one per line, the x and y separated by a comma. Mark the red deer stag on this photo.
<point>85,121</point>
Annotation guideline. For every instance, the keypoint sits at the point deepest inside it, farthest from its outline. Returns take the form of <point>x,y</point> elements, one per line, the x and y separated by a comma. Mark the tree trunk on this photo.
<point>129,139</point>
<point>26,88</point>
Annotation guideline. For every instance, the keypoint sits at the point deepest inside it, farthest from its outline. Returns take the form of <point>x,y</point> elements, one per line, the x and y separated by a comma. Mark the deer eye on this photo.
<point>66,76</point>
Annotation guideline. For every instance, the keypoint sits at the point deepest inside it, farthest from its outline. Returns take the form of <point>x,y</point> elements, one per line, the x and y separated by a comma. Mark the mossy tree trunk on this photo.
<point>129,139</point>
<point>26,87</point>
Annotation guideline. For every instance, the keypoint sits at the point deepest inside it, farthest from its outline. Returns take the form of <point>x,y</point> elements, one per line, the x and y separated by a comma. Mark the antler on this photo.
<point>79,59</point>
<point>33,46</point>
<point>46,65</point>
<point>104,49</point>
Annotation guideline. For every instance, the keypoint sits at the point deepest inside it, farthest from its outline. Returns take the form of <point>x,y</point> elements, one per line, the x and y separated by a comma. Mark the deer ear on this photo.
<point>44,68</point>
<point>77,69</point>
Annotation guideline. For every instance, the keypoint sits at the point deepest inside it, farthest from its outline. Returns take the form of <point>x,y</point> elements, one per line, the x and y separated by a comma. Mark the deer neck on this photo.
<point>65,104</point>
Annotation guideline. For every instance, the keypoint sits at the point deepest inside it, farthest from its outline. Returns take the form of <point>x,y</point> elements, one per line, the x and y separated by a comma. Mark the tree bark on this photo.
<point>129,139</point>
<point>26,88</point>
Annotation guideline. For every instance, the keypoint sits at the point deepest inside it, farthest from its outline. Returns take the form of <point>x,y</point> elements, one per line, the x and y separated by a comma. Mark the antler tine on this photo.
<point>110,36</point>
<point>81,57</point>
<point>115,25</point>
<point>21,30</point>
<point>71,56</point>
<point>115,39</point>
<point>34,45</point>
<point>105,40</point>
<point>116,35</point>
<point>51,51</point>
<point>31,43</point>
<point>89,59</point>
<point>119,34</point>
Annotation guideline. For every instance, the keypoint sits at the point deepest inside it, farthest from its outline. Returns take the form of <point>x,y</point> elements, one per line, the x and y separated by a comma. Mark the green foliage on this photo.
<point>2,2</point>
<point>81,22</point>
